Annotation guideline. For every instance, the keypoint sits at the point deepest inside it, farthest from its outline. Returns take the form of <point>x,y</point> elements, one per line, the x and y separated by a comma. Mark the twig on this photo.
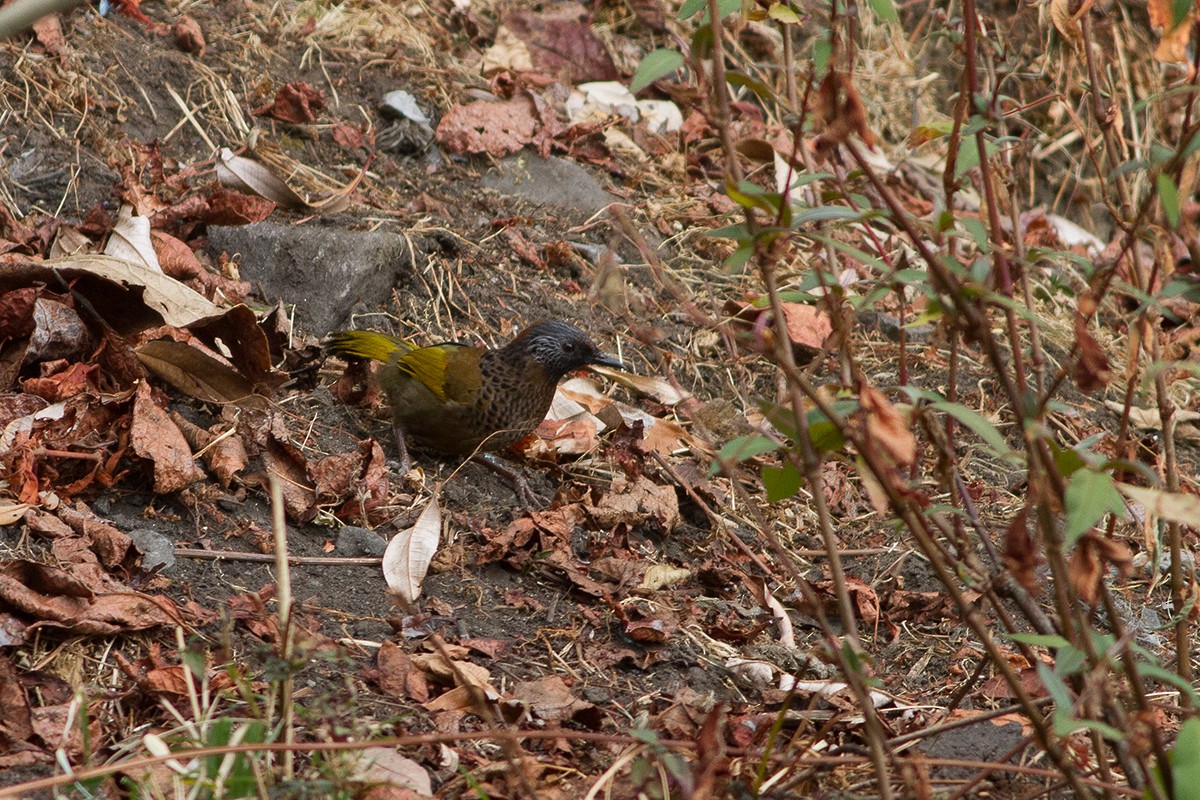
<point>268,558</point>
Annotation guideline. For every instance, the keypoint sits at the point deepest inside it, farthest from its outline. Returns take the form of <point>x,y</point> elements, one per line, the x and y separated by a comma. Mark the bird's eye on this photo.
<point>568,347</point>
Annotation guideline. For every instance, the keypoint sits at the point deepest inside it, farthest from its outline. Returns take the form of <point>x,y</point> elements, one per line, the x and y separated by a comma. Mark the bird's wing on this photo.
<point>450,370</point>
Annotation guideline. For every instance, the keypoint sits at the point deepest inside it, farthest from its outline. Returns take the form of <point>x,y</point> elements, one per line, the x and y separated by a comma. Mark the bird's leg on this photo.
<point>405,458</point>
<point>528,497</point>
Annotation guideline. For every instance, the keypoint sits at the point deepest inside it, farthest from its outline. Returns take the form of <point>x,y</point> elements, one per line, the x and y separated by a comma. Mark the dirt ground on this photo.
<point>553,603</point>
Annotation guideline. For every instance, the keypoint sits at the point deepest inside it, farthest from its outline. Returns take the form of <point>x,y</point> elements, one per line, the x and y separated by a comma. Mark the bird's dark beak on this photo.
<point>602,360</point>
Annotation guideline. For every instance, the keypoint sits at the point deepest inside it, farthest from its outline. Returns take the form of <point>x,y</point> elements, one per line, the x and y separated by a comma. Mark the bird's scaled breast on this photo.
<point>513,399</point>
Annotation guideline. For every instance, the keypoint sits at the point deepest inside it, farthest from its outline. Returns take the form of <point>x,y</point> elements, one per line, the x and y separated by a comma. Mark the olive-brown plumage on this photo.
<point>453,398</point>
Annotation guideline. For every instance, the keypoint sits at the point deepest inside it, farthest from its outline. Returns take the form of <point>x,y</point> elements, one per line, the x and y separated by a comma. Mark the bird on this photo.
<point>456,399</point>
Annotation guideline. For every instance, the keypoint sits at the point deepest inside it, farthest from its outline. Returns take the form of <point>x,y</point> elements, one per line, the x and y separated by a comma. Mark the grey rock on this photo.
<point>354,542</point>
<point>158,552</point>
<point>324,270</point>
<point>549,181</point>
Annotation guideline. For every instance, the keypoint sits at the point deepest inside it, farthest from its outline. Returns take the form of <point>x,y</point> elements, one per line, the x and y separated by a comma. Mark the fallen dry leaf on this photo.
<point>496,128</point>
<point>410,552</point>
<point>637,502</point>
<point>154,437</point>
<point>887,426</point>
<point>1092,555</point>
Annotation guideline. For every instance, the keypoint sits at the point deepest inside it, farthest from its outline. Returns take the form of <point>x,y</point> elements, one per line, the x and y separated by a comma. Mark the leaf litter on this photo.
<point>141,396</point>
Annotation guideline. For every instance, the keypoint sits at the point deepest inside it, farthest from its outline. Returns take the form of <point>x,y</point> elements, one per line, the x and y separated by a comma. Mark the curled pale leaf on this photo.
<point>177,304</point>
<point>130,240</point>
<point>655,388</point>
<point>410,552</point>
<point>1171,506</point>
<point>251,177</point>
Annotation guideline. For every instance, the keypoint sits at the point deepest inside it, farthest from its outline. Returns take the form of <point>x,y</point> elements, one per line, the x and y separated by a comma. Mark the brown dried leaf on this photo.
<point>58,598</point>
<point>888,427</point>
<point>297,103</point>
<point>1093,554</point>
<point>1172,48</point>
<point>397,676</point>
<point>561,42</point>
<point>109,543</point>
<point>230,207</point>
<point>193,372</point>
<point>496,128</point>
<point>550,699</point>
<point>1020,555</point>
<point>155,437</point>
<point>841,111</point>
<point>637,502</point>
<point>189,37</point>
<point>1091,370</point>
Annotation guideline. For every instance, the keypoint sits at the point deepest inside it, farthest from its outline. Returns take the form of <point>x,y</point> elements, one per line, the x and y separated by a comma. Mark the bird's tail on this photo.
<point>367,344</point>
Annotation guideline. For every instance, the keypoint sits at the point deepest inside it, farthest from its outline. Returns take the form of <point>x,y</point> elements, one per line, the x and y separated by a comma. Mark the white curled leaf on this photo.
<point>410,552</point>
<point>130,240</point>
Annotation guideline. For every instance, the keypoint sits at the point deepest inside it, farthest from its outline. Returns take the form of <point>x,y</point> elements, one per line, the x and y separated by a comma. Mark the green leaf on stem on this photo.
<point>780,482</point>
<point>1090,496</point>
<point>783,13</point>
<point>885,10</point>
<point>1168,195</point>
<point>743,448</point>
<point>656,64</point>
<point>978,425</point>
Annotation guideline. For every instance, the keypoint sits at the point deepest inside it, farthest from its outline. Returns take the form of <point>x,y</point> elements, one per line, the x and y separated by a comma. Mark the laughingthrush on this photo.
<point>463,400</point>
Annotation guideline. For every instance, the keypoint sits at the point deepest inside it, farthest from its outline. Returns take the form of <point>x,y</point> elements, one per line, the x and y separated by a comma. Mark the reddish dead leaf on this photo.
<point>648,631</point>
<point>635,503</point>
<point>396,675</point>
<point>17,727</point>
<point>57,597</point>
<point>110,545</point>
<point>808,328</point>
<point>229,207</point>
<point>349,135</point>
<point>297,103</point>
<point>1172,48</point>
<point>1020,554</point>
<point>154,437</point>
<point>72,380</point>
<point>550,699</point>
<point>486,127</point>
<point>561,42</point>
<point>1091,370</point>
<point>517,598</point>
<point>887,427</point>
<point>221,449</point>
<point>525,249</point>
<point>189,37</point>
<point>49,33</point>
<point>492,648</point>
<point>841,112</point>
<point>16,312</point>
<point>334,476</point>
<point>996,688</point>
<point>287,461</point>
<point>923,608</point>
<point>250,608</point>
<point>58,728</point>
<point>1092,556</point>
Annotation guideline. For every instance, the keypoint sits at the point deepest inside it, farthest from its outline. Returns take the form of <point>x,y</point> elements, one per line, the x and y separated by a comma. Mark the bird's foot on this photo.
<point>405,458</point>
<point>525,493</point>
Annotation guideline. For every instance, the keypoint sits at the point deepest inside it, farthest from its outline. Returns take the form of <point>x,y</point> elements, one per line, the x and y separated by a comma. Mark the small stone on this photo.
<point>158,552</point>
<point>353,542</point>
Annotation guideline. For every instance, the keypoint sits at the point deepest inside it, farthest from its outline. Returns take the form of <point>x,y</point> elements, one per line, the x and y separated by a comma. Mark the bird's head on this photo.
<point>559,347</point>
